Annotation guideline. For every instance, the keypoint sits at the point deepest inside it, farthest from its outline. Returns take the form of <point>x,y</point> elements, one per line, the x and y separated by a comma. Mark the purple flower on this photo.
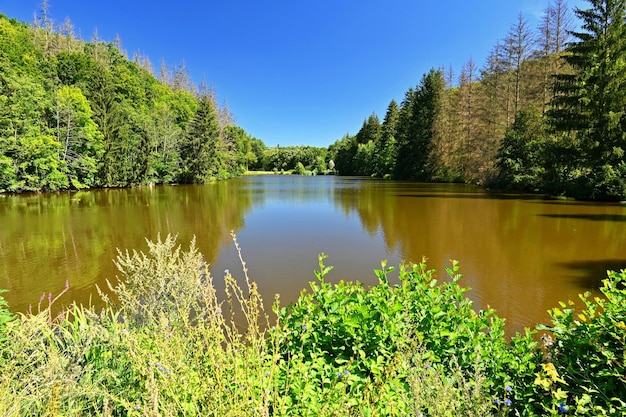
<point>304,327</point>
<point>508,388</point>
<point>508,402</point>
<point>562,408</point>
<point>67,284</point>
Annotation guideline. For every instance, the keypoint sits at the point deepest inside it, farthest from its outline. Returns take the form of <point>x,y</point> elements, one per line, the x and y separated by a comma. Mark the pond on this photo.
<point>520,254</point>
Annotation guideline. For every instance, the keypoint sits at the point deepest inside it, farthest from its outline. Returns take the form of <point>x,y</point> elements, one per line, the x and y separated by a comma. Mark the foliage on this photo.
<point>588,353</point>
<point>592,99</point>
<point>521,155</point>
<point>113,122</point>
<point>545,116</point>
<point>199,149</point>
<point>167,343</point>
<point>288,158</point>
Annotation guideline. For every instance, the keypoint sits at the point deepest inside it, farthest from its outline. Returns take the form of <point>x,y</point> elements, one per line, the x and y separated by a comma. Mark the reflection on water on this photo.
<point>520,254</point>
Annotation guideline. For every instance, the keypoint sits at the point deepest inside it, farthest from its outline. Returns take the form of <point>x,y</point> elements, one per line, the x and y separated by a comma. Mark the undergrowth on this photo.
<point>165,344</point>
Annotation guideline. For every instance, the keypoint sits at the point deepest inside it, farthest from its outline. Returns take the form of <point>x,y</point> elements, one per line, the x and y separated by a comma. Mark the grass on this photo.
<point>166,345</point>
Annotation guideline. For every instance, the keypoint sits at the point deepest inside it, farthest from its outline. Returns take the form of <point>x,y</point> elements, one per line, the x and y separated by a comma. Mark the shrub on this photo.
<point>586,369</point>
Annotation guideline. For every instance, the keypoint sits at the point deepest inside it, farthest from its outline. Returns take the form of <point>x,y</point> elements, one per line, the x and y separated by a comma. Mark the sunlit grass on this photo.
<point>165,344</point>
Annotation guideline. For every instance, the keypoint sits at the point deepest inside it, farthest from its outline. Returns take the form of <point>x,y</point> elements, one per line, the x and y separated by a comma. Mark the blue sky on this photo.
<point>296,72</point>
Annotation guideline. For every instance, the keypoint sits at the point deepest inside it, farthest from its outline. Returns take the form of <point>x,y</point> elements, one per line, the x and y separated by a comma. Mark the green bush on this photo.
<point>588,354</point>
<point>165,345</point>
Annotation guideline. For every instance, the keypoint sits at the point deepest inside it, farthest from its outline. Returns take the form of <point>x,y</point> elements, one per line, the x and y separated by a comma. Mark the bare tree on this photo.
<point>518,47</point>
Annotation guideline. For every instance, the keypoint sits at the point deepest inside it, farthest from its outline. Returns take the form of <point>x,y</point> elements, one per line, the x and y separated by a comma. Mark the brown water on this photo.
<point>520,254</point>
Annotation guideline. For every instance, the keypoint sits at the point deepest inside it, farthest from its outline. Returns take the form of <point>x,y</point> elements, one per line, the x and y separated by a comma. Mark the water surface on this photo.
<point>519,253</point>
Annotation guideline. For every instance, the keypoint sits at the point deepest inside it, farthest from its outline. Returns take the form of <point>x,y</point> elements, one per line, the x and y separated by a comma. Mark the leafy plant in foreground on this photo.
<point>589,353</point>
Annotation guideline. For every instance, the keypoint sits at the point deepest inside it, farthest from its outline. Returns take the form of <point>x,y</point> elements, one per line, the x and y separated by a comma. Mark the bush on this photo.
<point>165,345</point>
<point>587,357</point>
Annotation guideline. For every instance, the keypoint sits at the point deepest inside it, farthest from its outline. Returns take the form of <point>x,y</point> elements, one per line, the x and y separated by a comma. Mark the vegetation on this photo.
<point>169,343</point>
<point>76,114</point>
<point>543,114</point>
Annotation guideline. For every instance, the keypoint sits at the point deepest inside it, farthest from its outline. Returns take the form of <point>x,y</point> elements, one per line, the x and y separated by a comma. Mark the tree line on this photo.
<point>78,114</point>
<point>546,113</point>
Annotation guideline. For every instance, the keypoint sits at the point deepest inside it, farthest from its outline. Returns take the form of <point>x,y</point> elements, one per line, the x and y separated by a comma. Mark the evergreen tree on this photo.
<point>520,158</point>
<point>416,127</point>
<point>200,146</point>
<point>385,147</point>
<point>109,118</point>
<point>591,102</point>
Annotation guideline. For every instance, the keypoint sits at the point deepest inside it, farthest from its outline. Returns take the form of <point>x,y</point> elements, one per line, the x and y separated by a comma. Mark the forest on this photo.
<point>77,114</point>
<point>544,114</point>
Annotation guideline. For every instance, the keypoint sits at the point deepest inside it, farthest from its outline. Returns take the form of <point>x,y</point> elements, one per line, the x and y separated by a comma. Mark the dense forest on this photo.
<point>546,113</point>
<point>77,114</point>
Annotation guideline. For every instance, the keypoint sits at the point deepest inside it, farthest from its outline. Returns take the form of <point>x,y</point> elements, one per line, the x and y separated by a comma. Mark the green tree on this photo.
<point>199,149</point>
<point>418,114</point>
<point>80,141</point>
<point>385,148</point>
<point>109,118</point>
<point>521,156</point>
<point>591,102</point>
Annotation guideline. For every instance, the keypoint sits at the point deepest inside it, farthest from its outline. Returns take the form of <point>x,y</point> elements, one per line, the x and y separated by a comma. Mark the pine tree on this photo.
<point>200,147</point>
<point>418,115</point>
<point>591,102</point>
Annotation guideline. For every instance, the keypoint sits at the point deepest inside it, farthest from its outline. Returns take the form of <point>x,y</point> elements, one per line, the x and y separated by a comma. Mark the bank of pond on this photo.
<point>168,343</point>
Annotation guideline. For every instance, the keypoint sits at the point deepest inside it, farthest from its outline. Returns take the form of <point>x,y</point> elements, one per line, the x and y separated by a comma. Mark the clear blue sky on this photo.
<point>300,72</point>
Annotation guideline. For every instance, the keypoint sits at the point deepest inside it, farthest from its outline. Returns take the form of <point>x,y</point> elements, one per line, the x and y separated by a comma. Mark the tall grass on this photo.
<point>167,344</point>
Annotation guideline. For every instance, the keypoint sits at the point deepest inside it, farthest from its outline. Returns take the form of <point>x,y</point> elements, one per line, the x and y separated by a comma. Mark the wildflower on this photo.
<point>339,375</point>
<point>267,373</point>
<point>346,372</point>
<point>157,364</point>
<point>136,407</point>
<point>508,402</point>
<point>496,401</point>
<point>168,371</point>
<point>161,368</point>
<point>562,408</point>
<point>226,271</point>
<point>43,296</point>
<point>304,327</point>
<point>67,284</point>
<point>125,331</point>
<point>219,310</point>
<point>49,297</point>
<point>508,388</point>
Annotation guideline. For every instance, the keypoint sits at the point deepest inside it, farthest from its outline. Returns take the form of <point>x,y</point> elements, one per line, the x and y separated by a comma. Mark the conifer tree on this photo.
<point>200,147</point>
<point>417,122</point>
<point>591,102</point>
